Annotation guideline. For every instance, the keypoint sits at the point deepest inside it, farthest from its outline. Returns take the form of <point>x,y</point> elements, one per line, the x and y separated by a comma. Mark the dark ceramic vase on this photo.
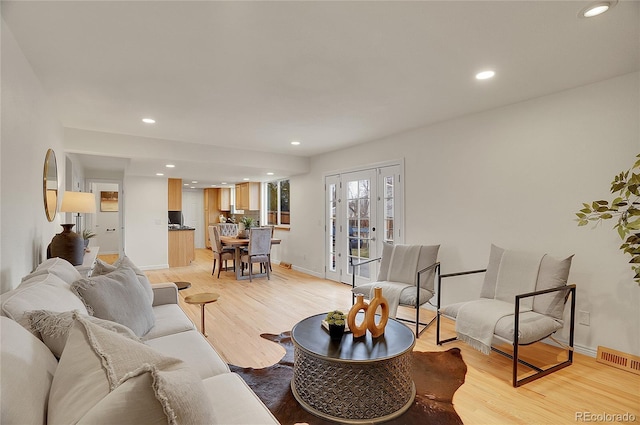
<point>336,332</point>
<point>68,245</point>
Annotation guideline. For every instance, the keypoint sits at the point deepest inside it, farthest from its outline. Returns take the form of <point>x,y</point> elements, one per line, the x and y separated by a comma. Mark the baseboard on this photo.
<point>305,271</point>
<point>158,267</point>
<point>587,351</point>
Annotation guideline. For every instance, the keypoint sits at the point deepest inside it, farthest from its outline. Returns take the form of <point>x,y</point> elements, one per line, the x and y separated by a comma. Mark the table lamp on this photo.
<point>70,245</point>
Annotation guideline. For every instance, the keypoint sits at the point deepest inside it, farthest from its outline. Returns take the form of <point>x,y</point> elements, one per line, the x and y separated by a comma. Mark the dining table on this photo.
<point>238,243</point>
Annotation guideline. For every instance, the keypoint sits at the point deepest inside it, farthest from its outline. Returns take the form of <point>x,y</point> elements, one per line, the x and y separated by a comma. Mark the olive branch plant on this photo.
<point>625,208</point>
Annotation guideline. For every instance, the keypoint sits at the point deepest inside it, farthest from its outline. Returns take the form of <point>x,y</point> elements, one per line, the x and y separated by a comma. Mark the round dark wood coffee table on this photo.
<point>363,380</point>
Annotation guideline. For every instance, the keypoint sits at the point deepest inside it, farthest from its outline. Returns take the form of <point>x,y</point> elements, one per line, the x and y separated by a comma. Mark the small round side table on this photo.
<point>183,285</point>
<point>202,299</point>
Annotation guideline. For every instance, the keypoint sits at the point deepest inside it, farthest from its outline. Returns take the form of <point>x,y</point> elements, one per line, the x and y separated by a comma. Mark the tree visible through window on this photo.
<point>278,199</point>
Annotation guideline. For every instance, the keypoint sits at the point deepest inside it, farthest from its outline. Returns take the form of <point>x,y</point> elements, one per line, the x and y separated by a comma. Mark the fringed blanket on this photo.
<point>402,269</point>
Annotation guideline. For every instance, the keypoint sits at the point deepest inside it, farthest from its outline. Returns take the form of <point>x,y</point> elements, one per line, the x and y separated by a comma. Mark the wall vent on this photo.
<point>618,359</point>
<point>285,265</point>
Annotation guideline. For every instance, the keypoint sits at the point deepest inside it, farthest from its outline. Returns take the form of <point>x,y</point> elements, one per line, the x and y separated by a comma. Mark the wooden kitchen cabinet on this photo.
<point>224,199</point>
<point>175,194</point>
<point>248,196</point>
<point>181,248</point>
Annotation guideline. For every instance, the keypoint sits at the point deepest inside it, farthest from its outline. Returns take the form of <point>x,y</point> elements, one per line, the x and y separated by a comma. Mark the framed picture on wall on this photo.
<point>108,201</point>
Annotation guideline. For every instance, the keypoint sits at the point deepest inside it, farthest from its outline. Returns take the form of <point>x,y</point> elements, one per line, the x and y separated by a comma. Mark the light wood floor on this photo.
<point>245,310</point>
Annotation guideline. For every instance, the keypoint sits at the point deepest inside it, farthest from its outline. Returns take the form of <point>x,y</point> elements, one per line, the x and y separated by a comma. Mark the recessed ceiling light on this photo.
<point>192,187</point>
<point>223,183</point>
<point>194,181</point>
<point>148,120</point>
<point>269,174</point>
<point>170,166</point>
<point>213,185</point>
<point>159,174</point>
<point>485,75</point>
<point>597,8</point>
<point>295,143</point>
<point>246,179</point>
<point>186,184</point>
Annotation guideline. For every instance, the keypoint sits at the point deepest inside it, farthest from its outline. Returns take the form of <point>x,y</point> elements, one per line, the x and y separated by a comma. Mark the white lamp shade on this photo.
<point>78,202</point>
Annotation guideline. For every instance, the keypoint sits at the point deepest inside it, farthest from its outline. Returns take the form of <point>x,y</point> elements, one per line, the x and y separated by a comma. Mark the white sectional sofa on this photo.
<point>31,391</point>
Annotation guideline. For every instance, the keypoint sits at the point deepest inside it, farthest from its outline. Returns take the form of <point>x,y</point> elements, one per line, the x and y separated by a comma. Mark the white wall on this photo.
<point>29,128</point>
<point>512,176</point>
<point>145,222</point>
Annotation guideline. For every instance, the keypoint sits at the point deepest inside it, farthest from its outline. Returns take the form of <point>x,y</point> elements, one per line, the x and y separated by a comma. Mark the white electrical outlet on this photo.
<point>583,317</point>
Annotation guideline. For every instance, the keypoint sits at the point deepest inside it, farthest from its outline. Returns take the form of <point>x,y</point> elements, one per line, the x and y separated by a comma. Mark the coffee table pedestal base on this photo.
<point>353,392</point>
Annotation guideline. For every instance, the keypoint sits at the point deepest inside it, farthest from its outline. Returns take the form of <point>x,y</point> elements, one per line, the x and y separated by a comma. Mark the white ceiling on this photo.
<point>257,75</point>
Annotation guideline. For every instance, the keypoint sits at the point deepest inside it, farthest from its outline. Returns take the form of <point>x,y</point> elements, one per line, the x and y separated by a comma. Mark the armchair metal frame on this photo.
<point>418,323</point>
<point>540,372</point>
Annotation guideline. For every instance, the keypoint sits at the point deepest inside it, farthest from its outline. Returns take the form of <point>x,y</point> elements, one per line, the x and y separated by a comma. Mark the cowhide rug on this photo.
<point>437,376</point>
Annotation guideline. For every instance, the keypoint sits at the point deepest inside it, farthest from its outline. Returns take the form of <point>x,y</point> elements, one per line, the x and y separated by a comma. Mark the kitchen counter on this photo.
<point>181,246</point>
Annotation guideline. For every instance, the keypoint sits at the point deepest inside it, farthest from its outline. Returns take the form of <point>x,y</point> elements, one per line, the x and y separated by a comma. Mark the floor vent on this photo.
<point>618,359</point>
<point>285,265</point>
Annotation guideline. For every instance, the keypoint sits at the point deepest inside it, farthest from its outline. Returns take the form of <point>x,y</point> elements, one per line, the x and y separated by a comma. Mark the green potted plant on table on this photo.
<point>626,208</point>
<point>336,321</point>
<point>86,235</point>
<point>248,223</point>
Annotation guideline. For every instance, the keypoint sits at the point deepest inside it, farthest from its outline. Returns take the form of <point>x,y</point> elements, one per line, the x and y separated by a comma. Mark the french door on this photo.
<point>363,209</point>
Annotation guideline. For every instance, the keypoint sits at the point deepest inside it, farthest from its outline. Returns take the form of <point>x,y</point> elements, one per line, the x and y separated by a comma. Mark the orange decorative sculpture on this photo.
<point>378,300</point>
<point>361,329</point>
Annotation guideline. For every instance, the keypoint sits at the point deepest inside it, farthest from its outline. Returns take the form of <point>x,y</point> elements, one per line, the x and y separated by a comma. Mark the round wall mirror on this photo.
<point>50,185</point>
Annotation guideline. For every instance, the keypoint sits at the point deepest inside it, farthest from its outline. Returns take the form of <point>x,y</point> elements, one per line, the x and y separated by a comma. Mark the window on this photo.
<point>278,203</point>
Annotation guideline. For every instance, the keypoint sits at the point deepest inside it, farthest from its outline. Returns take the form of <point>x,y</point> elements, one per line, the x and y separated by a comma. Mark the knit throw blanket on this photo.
<point>402,272</point>
<point>476,320</point>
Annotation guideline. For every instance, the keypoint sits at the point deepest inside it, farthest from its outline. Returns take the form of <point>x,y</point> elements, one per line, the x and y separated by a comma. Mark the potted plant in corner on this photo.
<point>336,321</point>
<point>626,208</point>
<point>86,235</point>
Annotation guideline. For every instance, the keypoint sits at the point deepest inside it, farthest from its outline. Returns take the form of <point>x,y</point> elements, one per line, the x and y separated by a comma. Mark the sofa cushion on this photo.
<point>169,320</point>
<point>119,297</point>
<point>57,266</point>
<point>53,328</point>
<point>102,268</point>
<point>234,403</point>
<point>27,368</point>
<point>49,293</point>
<point>532,326</point>
<point>200,357</point>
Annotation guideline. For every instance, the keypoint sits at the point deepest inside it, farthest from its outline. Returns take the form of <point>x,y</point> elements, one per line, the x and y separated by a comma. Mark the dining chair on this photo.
<point>219,253</point>
<point>258,250</point>
<point>228,229</point>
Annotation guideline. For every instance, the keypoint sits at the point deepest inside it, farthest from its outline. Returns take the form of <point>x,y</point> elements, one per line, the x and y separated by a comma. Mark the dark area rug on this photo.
<point>437,375</point>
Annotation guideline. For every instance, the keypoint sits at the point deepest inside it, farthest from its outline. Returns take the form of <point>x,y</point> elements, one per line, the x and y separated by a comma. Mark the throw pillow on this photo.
<point>79,383</point>
<point>491,276</point>
<point>57,266</point>
<point>553,274</point>
<point>49,293</point>
<point>119,297</point>
<point>54,327</point>
<point>144,386</point>
<point>103,268</point>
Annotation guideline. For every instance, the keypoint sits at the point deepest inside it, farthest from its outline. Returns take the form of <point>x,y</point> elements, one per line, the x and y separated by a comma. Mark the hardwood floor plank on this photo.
<point>245,310</point>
